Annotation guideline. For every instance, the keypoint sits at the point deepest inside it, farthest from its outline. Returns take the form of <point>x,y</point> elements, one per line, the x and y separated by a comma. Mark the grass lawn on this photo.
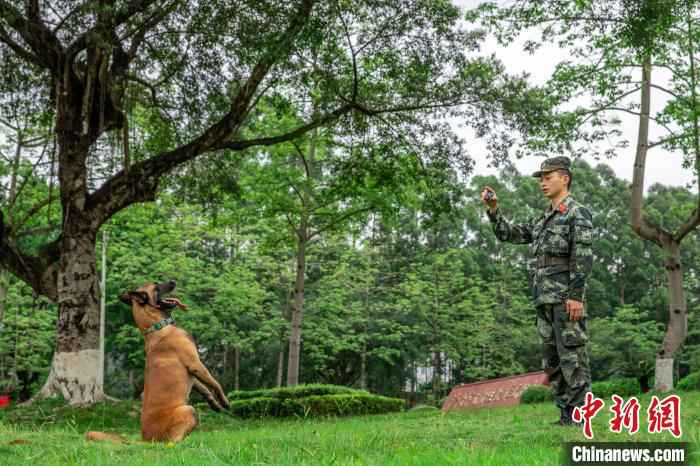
<point>520,435</point>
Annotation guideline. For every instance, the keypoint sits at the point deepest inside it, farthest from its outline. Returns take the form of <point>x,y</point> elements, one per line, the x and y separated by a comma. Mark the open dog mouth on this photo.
<point>167,302</point>
<point>171,303</point>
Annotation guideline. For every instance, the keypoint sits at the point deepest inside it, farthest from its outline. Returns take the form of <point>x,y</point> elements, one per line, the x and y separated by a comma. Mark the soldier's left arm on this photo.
<point>581,259</point>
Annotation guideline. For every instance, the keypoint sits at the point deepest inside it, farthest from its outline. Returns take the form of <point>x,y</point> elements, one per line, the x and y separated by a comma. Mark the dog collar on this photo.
<point>159,325</point>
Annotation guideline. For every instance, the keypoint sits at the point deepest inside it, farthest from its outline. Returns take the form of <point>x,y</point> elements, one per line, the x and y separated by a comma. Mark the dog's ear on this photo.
<point>125,298</point>
<point>139,296</point>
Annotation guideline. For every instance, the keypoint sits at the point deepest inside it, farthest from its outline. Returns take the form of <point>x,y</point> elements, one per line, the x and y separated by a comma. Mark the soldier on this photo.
<point>560,243</point>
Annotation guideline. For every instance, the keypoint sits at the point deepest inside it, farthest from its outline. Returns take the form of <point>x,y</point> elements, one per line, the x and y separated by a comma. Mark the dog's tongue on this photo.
<point>176,302</point>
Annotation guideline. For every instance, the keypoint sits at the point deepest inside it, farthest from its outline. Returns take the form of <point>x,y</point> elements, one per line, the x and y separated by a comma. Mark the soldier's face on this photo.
<point>553,184</point>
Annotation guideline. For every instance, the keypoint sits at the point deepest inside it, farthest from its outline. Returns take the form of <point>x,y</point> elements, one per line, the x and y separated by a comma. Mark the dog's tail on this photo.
<point>101,436</point>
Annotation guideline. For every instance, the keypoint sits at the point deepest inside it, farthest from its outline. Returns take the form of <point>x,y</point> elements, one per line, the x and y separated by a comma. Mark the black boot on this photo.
<point>563,416</point>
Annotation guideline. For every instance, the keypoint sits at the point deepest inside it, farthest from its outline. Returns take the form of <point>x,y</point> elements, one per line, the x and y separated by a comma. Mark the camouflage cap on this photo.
<point>555,163</point>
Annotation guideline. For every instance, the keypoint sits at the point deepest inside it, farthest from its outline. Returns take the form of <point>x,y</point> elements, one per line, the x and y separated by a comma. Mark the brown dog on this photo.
<point>173,368</point>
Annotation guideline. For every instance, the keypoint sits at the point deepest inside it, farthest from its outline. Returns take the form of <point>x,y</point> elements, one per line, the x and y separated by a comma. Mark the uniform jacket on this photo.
<point>563,232</point>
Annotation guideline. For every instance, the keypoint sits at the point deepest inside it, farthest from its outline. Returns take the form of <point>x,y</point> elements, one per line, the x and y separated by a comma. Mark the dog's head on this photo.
<point>152,297</point>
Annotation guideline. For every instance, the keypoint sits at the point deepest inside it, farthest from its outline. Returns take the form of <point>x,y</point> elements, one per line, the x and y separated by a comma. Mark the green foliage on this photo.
<point>689,382</point>
<point>256,407</point>
<point>343,405</point>
<point>299,391</point>
<point>622,387</point>
<point>347,404</point>
<point>27,335</point>
<point>427,281</point>
<point>536,394</point>
<point>621,341</point>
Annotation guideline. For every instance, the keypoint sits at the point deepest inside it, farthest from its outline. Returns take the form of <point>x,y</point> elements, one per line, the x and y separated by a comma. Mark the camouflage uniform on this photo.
<point>560,245</point>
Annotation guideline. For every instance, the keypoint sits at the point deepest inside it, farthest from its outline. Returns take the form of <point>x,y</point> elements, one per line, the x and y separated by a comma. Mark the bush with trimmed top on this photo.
<point>536,394</point>
<point>352,404</point>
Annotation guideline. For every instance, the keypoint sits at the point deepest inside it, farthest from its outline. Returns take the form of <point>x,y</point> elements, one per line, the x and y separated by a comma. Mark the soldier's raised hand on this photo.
<point>489,197</point>
<point>575,309</point>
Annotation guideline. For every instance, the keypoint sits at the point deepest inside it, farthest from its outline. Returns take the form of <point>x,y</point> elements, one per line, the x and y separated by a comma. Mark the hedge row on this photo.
<point>536,394</point>
<point>299,391</point>
<point>316,405</point>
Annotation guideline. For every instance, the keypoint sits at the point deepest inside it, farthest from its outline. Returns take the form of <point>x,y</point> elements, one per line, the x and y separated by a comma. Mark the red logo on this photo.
<point>665,415</point>
<point>626,416</point>
<point>588,412</point>
<point>562,208</point>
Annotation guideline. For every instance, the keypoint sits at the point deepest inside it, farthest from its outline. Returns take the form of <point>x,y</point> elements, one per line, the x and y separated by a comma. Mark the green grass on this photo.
<point>499,436</point>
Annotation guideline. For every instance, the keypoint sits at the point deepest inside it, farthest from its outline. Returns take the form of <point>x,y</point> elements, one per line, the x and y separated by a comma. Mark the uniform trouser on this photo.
<point>564,354</point>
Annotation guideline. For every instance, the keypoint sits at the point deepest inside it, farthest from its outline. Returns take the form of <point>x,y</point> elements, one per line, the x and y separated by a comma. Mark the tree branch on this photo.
<point>269,141</point>
<point>339,219</point>
<point>303,160</point>
<point>140,32</point>
<point>18,49</point>
<point>669,92</point>
<point>639,222</point>
<point>108,23</point>
<point>355,82</point>
<point>291,224</point>
<point>35,271</point>
<point>296,191</point>
<point>40,39</point>
<point>142,181</point>
<point>666,140</point>
<point>632,112</point>
<point>63,20</point>
<point>687,226</point>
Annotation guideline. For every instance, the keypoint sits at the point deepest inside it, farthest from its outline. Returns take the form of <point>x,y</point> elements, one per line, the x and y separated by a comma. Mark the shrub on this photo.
<point>256,407</point>
<point>536,394</point>
<point>317,405</point>
<point>622,387</point>
<point>299,391</point>
<point>689,382</point>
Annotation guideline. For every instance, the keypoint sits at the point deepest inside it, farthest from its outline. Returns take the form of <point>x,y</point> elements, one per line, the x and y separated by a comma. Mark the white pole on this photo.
<point>103,292</point>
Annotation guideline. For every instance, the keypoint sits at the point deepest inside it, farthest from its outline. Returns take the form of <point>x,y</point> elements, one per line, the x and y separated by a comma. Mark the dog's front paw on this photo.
<point>225,403</point>
<point>215,406</point>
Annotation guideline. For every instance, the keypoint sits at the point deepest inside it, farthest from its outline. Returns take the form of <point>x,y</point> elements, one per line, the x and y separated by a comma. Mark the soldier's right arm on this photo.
<point>505,230</point>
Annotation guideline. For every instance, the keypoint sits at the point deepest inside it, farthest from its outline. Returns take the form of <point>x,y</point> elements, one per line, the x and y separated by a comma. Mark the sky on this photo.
<point>662,166</point>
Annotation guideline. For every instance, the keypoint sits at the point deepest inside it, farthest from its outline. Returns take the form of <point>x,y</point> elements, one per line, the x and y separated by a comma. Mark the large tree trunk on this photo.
<point>677,329</point>
<point>677,322</point>
<point>75,366</point>
<point>236,367</point>
<point>224,366</point>
<point>363,350</point>
<point>437,374</point>
<point>280,364</point>
<point>297,309</point>
<point>620,285</point>
<point>284,307</point>
<point>303,235</point>
<point>414,382</point>
<point>363,366</point>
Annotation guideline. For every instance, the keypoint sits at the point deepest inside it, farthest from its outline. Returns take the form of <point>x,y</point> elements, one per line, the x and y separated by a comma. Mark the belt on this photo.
<point>546,261</point>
